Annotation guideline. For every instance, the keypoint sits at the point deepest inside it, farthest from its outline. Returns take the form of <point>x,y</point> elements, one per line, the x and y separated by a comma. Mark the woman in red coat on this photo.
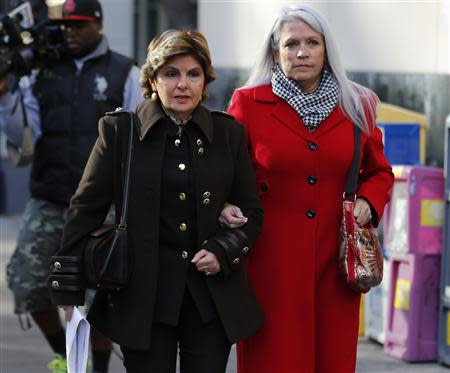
<point>299,109</point>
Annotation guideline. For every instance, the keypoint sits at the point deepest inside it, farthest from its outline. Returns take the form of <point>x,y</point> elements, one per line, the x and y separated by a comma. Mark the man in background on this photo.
<point>62,103</point>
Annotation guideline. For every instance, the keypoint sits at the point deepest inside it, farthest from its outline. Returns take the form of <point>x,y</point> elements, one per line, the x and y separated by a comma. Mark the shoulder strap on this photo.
<point>127,172</point>
<point>352,177</point>
<point>222,114</point>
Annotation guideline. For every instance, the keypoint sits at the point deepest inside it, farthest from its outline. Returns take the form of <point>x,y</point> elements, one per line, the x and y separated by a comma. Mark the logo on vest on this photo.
<point>101,84</point>
<point>69,6</point>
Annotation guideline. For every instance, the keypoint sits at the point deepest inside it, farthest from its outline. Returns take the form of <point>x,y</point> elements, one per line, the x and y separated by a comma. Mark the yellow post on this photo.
<point>362,321</point>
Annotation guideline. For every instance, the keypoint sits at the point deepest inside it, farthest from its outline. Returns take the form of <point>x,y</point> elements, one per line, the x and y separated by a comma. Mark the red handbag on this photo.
<point>360,255</point>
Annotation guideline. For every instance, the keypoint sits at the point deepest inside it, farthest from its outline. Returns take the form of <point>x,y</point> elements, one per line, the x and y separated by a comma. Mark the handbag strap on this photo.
<point>352,177</point>
<point>126,183</point>
<point>22,107</point>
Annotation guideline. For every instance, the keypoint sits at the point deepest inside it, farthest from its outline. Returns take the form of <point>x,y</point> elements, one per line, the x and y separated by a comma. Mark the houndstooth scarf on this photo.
<point>313,107</point>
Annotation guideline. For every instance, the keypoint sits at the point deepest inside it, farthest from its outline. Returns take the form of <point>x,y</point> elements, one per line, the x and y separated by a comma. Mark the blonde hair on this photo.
<point>171,43</point>
<point>358,103</point>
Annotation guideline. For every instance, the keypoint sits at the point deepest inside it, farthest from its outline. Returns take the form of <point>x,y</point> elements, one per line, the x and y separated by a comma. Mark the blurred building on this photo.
<point>400,49</point>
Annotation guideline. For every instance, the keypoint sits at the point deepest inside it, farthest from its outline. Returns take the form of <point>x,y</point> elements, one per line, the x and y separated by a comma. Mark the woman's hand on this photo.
<point>207,262</point>
<point>231,216</point>
<point>68,310</point>
<point>362,211</point>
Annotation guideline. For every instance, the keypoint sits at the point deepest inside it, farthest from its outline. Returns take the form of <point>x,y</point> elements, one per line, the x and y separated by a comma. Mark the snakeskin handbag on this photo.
<point>360,256</point>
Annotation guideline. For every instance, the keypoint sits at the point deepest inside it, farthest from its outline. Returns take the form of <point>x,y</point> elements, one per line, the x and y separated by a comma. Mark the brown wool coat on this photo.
<point>224,170</point>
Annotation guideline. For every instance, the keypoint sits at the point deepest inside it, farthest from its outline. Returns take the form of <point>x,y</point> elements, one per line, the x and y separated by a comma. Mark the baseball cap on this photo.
<point>81,10</point>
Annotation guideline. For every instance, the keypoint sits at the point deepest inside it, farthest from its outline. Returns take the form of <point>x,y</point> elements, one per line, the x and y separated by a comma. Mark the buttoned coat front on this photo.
<point>222,169</point>
<point>311,314</point>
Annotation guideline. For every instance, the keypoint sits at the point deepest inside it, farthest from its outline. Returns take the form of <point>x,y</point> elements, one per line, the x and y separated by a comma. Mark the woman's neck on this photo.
<point>177,119</point>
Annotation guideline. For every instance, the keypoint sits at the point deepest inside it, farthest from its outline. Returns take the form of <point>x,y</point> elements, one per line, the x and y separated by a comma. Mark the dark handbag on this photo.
<point>106,252</point>
<point>360,256</point>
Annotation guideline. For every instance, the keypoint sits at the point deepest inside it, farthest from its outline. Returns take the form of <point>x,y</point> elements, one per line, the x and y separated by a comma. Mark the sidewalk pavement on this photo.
<point>27,351</point>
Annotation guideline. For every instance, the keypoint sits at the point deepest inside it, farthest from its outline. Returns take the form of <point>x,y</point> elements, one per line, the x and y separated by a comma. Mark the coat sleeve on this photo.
<point>88,209</point>
<point>231,246</point>
<point>237,108</point>
<point>376,177</point>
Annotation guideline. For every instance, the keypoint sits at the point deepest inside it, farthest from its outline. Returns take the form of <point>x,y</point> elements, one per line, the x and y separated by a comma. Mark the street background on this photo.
<point>400,49</point>
<point>28,352</point>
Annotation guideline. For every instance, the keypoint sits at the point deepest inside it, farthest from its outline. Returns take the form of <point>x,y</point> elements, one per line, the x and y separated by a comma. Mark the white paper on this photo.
<point>77,342</point>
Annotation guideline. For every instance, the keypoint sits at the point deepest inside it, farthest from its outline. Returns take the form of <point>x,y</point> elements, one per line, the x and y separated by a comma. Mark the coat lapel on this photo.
<point>285,114</point>
<point>282,111</point>
<point>336,117</point>
<point>202,118</point>
<point>150,112</point>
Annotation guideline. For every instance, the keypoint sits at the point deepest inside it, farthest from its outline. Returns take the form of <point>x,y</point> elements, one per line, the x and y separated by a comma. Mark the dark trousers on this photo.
<point>204,348</point>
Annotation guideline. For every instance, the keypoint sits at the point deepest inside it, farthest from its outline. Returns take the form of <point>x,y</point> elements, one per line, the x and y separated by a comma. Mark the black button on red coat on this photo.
<point>312,179</point>
<point>311,213</point>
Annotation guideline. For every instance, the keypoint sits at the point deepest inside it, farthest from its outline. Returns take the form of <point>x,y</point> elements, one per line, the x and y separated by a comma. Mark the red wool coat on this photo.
<point>311,314</point>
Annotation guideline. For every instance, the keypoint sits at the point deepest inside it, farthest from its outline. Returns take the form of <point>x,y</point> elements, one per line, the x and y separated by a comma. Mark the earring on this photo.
<point>154,96</point>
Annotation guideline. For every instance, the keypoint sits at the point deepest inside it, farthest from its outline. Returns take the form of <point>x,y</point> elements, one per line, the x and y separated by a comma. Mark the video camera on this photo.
<point>25,46</point>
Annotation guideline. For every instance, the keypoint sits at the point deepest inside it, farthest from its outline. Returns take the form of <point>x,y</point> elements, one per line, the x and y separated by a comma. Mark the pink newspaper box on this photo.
<point>413,220</point>
<point>413,307</point>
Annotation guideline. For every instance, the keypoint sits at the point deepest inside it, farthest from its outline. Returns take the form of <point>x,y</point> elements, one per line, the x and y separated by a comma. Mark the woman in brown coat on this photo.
<point>188,286</point>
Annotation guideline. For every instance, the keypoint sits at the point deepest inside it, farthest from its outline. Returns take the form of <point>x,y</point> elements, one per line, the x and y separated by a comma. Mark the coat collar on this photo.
<point>264,93</point>
<point>150,112</point>
<point>289,117</point>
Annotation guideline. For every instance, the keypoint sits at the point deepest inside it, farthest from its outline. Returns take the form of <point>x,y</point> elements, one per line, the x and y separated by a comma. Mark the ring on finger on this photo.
<point>207,273</point>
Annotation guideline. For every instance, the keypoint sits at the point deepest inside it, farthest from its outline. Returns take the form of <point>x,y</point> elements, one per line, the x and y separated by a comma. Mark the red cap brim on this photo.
<point>75,18</point>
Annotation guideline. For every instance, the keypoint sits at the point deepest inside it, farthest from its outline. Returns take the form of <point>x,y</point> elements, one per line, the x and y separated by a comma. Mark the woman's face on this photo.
<point>301,54</point>
<point>180,83</point>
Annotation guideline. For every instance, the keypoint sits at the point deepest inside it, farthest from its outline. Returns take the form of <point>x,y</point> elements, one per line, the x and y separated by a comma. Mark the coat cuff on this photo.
<point>65,280</point>
<point>231,246</point>
<point>376,202</point>
<point>374,212</point>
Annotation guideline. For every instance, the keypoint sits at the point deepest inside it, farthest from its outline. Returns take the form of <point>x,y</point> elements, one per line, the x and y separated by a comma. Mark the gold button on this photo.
<point>183,227</point>
<point>206,194</point>
<point>205,241</point>
<point>177,142</point>
<point>206,201</point>
<point>236,261</point>
<point>182,196</point>
<point>57,265</point>
<point>184,254</point>
<point>245,250</point>
<point>201,151</point>
<point>199,142</point>
<point>55,284</point>
<point>181,166</point>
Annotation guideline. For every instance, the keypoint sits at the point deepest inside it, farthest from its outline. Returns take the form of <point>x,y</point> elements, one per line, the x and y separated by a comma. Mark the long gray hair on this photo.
<point>358,103</point>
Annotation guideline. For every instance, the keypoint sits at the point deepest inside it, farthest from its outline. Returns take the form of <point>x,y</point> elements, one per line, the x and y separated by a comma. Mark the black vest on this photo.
<point>70,105</point>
